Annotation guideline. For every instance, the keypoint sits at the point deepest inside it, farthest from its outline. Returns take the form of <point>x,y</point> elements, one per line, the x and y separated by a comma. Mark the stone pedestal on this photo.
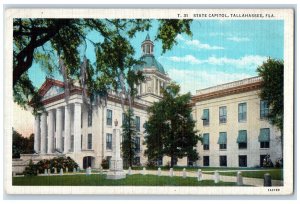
<point>116,163</point>
<point>217,177</point>
<point>183,173</point>
<point>239,178</point>
<point>199,175</point>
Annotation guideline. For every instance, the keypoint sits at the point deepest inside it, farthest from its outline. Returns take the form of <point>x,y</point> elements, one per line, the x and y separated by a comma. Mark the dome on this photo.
<point>149,62</point>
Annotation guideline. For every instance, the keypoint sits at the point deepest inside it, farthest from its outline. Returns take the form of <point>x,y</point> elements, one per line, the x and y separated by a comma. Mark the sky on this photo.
<point>219,51</point>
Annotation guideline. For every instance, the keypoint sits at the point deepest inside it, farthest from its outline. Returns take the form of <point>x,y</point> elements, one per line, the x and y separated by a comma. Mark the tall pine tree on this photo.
<point>170,128</point>
<point>129,135</point>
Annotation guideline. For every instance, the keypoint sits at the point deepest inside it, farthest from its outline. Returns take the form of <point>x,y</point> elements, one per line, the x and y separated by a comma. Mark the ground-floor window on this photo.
<point>90,141</point>
<point>206,161</point>
<point>223,160</point>
<point>88,162</point>
<point>242,161</point>
<point>72,143</point>
<point>160,161</point>
<point>137,161</point>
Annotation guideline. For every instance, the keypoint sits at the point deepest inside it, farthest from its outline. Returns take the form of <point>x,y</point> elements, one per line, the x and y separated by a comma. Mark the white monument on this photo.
<point>116,163</point>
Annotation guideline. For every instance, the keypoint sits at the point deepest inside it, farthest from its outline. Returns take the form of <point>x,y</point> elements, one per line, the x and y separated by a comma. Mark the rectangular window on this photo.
<point>242,112</point>
<point>264,144</point>
<point>81,117</point>
<point>123,118</point>
<point>242,139</point>
<point>72,143</point>
<point>137,123</point>
<point>108,117</point>
<point>205,117</point>
<point>223,114</point>
<point>137,161</point>
<point>264,109</point>
<point>205,141</point>
<point>264,138</point>
<point>108,141</point>
<point>242,161</point>
<point>160,161</point>
<point>90,141</point>
<point>63,121</point>
<point>243,145</point>
<point>81,142</point>
<point>222,141</point>
<point>137,144</point>
<point>223,160</point>
<point>223,146</point>
<point>205,160</point>
<point>90,117</point>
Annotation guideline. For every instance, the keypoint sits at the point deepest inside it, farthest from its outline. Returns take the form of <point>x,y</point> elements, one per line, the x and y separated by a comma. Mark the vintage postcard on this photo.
<point>149,101</point>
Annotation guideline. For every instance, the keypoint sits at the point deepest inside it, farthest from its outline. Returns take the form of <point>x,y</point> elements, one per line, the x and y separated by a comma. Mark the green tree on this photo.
<point>170,128</point>
<point>60,45</point>
<point>272,73</point>
<point>129,134</point>
<point>21,144</point>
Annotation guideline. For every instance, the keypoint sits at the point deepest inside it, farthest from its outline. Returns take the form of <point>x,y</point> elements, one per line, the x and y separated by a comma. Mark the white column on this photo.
<point>43,132</point>
<point>59,129</point>
<point>67,146</point>
<point>50,132</point>
<point>37,134</point>
<point>77,127</point>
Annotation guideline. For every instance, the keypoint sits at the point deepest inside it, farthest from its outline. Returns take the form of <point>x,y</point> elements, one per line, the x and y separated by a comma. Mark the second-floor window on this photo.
<point>264,109</point>
<point>242,112</point>
<point>242,139</point>
<point>90,117</point>
<point>109,117</point>
<point>90,141</point>
<point>223,114</point>
<point>109,141</point>
<point>222,140</point>
<point>137,123</point>
<point>205,117</point>
<point>206,141</point>
<point>137,144</point>
<point>264,138</point>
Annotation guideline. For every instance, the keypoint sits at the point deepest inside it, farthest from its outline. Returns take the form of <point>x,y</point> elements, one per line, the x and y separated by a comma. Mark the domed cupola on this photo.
<point>148,57</point>
<point>147,46</point>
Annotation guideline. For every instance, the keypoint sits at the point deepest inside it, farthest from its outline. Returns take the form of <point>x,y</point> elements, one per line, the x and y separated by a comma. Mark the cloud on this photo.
<point>188,58</point>
<point>192,80</point>
<point>238,39</point>
<point>197,44</point>
<point>246,62</point>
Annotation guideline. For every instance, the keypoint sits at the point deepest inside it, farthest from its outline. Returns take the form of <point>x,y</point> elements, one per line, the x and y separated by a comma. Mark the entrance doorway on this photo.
<point>88,162</point>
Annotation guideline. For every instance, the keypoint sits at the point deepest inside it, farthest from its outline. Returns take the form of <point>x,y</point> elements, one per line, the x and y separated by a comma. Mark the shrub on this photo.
<point>267,163</point>
<point>105,164</point>
<point>151,163</point>
<point>31,169</point>
<point>57,162</point>
<point>279,163</point>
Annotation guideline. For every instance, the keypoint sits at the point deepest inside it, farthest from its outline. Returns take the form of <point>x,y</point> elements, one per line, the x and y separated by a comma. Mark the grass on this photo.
<point>99,180</point>
<point>276,174</point>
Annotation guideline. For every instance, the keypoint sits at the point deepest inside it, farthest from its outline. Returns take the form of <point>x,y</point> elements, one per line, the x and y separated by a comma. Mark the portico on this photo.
<point>58,130</point>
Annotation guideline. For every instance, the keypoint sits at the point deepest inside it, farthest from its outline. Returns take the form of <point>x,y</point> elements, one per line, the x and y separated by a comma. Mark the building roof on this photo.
<point>236,87</point>
<point>149,62</point>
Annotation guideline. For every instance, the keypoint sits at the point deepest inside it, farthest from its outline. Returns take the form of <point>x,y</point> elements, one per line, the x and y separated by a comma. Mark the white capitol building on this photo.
<point>231,118</point>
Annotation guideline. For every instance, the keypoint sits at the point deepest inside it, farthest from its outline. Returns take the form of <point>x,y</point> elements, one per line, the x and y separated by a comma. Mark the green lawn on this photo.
<point>99,180</point>
<point>276,174</point>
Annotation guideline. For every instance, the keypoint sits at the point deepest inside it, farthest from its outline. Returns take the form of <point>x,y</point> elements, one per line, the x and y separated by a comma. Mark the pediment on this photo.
<point>53,91</point>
